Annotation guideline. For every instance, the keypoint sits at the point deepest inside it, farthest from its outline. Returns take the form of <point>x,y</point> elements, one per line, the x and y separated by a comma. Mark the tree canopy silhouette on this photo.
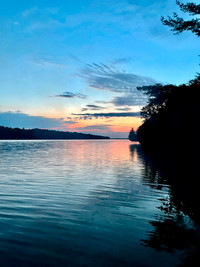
<point>169,112</point>
<point>163,98</point>
<point>179,25</point>
<point>132,135</point>
<point>158,98</point>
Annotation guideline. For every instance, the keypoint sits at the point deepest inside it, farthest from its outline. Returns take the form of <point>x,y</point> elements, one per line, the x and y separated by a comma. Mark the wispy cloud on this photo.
<point>105,77</point>
<point>108,77</point>
<point>122,15</point>
<point>99,127</point>
<point>29,12</point>
<point>39,19</point>
<point>92,107</point>
<point>44,25</point>
<point>123,109</point>
<point>71,95</point>
<point>107,115</point>
<point>134,99</point>
<point>46,62</point>
<point>121,60</point>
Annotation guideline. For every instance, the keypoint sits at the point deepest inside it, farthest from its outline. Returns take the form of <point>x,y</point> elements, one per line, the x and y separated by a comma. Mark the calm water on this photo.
<point>83,203</point>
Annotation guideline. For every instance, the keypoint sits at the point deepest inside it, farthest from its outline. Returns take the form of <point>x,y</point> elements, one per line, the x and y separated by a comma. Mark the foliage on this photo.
<point>158,97</point>
<point>179,25</point>
<point>171,118</point>
<point>165,98</point>
<point>132,135</point>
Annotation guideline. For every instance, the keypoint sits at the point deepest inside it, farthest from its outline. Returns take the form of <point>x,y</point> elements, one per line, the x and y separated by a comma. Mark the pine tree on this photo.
<point>179,25</point>
<point>132,135</point>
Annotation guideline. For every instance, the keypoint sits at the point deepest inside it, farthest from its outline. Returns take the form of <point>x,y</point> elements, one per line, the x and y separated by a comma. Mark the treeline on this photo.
<point>170,133</point>
<point>17,134</point>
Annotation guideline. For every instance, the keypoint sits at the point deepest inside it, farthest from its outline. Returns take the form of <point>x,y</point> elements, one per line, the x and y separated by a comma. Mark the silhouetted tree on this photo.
<point>179,25</point>
<point>158,97</point>
<point>163,133</point>
<point>132,135</point>
<point>163,98</point>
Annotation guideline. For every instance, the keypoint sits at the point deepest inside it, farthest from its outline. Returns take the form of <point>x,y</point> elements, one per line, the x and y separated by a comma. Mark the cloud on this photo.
<point>125,16</point>
<point>92,107</point>
<point>124,109</point>
<point>44,25</point>
<point>71,95</point>
<point>84,109</point>
<point>102,102</point>
<point>22,120</point>
<point>107,115</point>
<point>46,62</point>
<point>134,99</point>
<point>99,127</point>
<point>29,12</point>
<point>121,60</point>
<point>105,77</point>
<point>37,19</point>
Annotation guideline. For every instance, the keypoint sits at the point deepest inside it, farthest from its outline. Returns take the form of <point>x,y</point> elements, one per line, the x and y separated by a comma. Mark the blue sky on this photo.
<point>75,65</point>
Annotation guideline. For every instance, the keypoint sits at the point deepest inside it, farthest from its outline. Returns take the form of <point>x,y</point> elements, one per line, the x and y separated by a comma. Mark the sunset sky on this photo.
<point>75,65</point>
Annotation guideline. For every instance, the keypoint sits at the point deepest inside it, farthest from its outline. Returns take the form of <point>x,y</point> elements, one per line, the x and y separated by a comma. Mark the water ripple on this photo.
<point>76,203</point>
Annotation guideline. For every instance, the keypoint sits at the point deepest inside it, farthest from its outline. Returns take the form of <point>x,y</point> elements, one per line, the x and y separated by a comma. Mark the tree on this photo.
<point>132,135</point>
<point>158,98</point>
<point>179,25</point>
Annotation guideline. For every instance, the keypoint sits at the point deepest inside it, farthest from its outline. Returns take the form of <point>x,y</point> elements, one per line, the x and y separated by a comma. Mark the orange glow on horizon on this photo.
<point>104,125</point>
<point>121,124</point>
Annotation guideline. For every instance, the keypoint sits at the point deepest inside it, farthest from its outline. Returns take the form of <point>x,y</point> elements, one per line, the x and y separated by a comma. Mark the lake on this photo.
<point>87,203</point>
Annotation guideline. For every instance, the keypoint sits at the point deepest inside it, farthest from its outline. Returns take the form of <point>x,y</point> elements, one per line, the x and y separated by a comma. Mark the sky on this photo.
<point>76,65</point>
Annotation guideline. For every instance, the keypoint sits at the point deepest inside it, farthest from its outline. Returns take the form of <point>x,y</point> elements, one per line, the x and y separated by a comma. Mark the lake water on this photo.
<point>84,203</point>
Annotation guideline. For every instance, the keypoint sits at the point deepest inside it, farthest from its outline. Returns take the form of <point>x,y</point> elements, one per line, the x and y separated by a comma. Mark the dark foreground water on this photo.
<point>87,203</point>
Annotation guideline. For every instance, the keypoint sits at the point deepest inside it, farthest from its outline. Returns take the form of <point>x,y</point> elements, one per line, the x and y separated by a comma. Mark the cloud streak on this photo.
<point>105,77</point>
<point>92,107</point>
<point>46,62</point>
<point>121,60</point>
<point>71,95</point>
<point>107,115</point>
<point>99,127</point>
<point>134,99</point>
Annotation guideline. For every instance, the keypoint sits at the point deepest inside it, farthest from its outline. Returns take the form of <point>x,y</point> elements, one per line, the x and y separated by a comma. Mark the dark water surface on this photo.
<point>87,203</point>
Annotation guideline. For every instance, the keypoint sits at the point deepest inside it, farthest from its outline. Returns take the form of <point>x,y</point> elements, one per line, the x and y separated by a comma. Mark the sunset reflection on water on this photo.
<point>79,203</point>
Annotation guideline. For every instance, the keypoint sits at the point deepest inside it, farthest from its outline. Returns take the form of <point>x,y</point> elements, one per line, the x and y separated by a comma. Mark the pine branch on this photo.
<point>191,8</point>
<point>178,25</point>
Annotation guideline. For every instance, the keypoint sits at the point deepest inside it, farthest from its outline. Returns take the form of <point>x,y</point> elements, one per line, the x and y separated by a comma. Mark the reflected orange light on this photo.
<point>115,152</point>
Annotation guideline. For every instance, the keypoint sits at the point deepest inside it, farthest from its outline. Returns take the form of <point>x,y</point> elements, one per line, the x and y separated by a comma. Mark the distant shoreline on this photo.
<point>7,133</point>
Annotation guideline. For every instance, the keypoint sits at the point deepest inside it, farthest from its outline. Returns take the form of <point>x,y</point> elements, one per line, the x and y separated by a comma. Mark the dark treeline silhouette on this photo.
<point>170,133</point>
<point>16,134</point>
